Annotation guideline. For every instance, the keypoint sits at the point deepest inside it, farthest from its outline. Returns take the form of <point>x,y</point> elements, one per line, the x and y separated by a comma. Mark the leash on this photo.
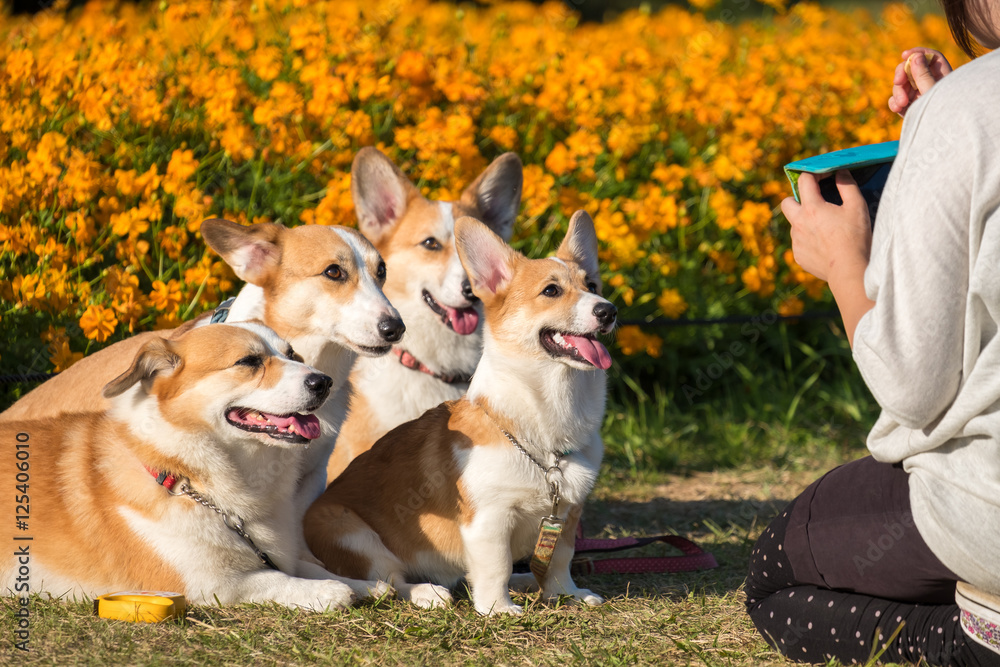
<point>232,522</point>
<point>411,362</point>
<point>694,559</point>
<point>550,528</point>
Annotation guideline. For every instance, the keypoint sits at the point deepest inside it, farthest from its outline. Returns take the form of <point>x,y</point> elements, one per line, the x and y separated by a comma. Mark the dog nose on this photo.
<point>319,384</point>
<point>605,313</point>
<point>391,329</point>
<point>467,291</point>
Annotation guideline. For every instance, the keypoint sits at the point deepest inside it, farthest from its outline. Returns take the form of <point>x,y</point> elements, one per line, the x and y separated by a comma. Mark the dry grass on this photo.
<point>680,619</point>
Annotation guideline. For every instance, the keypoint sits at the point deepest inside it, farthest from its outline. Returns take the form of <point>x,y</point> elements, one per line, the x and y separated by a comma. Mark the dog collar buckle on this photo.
<point>220,314</point>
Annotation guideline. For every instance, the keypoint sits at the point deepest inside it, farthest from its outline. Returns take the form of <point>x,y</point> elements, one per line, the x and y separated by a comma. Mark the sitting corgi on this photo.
<point>429,287</point>
<point>462,489</point>
<point>185,483</point>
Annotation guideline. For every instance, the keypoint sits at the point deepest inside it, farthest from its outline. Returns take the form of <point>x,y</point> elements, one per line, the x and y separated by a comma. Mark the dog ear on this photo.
<point>487,259</point>
<point>580,245</point>
<point>496,194</point>
<point>154,358</point>
<point>253,252</point>
<point>380,192</point>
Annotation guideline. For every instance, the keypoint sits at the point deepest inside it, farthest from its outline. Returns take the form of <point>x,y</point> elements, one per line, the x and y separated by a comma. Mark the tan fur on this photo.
<point>81,473</point>
<point>397,222</point>
<point>422,512</point>
<point>448,495</point>
<point>100,522</point>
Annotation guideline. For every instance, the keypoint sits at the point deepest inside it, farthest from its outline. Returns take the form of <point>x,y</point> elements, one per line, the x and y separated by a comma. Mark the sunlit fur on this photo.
<point>329,323</point>
<point>100,522</point>
<point>447,496</point>
<point>398,219</point>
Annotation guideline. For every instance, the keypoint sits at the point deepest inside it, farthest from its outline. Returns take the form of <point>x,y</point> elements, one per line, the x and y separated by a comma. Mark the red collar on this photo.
<point>413,363</point>
<point>163,478</point>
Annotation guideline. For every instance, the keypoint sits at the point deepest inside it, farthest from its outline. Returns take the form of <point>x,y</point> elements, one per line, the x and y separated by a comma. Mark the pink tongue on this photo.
<point>305,425</point>
<point>591,350</point>
<point>462,320</point>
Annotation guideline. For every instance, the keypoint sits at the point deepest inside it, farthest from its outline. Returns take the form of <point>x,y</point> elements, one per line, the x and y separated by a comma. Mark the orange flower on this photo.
<point>672,303</point>
<point>791,306</point>
<point>166,297</point>
<point>181,167</point>
<point>62,357</point>
<point>559,160</point>
<point>98,323</point>
<point>632,340</point>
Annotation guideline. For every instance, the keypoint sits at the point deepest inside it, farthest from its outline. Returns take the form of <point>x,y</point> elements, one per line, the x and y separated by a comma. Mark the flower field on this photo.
<point>123,126</point>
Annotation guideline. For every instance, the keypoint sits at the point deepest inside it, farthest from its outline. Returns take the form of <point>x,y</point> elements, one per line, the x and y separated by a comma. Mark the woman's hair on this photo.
<point>959,17</point>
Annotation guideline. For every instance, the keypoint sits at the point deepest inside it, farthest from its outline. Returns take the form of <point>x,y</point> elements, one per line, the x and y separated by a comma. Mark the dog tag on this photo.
<point>548,534</point>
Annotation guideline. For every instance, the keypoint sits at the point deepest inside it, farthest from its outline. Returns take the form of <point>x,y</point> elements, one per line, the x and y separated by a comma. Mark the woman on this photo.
<point>867,559</point>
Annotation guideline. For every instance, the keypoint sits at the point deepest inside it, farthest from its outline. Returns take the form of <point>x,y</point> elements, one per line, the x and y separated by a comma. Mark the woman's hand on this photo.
<point>833,242</point>
<point>827,238</point>
<point>927,67</point>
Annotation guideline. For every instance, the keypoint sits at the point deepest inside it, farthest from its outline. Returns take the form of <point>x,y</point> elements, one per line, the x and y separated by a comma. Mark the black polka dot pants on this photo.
<point>843,573</point>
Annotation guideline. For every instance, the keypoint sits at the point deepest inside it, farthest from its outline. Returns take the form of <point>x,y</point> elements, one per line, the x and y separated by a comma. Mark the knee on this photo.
<point>769,569</point>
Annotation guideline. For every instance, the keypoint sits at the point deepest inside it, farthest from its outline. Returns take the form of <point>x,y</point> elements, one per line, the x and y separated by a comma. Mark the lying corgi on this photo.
<point>203,436</point>
<point>461,490</point>
<point>320,288</point>
<point>429,287</point>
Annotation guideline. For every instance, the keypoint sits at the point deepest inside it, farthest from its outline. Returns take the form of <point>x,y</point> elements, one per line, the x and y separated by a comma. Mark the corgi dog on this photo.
<point>184,483</point>
<point>319,288</point>
<point>428,286</point>
<point>462,489</point>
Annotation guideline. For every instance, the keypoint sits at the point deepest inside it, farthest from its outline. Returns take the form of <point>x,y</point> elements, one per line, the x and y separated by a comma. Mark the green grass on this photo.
<point>715,467</point>
<point>678,619</point>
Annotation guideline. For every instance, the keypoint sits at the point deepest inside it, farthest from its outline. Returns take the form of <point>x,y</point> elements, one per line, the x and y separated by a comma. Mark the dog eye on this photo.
<point>293,355</point>
<point>552,290</point>
<point>380,271</point>
<point>334,272</point>
<point>251,360</point>
<point>592,287</point>
<point>431,243</point>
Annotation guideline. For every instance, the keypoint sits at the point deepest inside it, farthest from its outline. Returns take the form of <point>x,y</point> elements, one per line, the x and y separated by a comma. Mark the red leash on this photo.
<point>694,559</point>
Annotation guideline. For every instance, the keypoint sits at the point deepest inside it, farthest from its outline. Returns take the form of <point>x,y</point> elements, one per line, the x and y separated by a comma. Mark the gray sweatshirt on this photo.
<point>929,350</point>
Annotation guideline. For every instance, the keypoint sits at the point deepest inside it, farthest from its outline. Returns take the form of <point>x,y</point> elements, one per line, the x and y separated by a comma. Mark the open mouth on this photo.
<point>462,321</point>
<point>579,347</point>
<point>293,428</point>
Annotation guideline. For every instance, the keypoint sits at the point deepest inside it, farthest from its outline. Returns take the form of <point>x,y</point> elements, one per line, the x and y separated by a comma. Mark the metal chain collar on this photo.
<point>232,521</point>
<point>553,475</point>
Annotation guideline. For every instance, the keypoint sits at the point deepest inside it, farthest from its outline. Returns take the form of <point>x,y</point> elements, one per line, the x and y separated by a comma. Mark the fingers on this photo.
<point>809,193</point>
<point>895,108</point>
<point>901,91</point>
<point>921,69</point>
<point>790,208</point>
<point>920,72</point>
<point>850,193</point>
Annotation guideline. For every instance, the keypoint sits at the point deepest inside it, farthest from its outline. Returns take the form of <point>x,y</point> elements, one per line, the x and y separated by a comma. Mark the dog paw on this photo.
<point>380,589</point>
<point>523,582</point>
<point>577,596</point>
<point>430,596</point>
<point>500,608</point>
<point>588,598</point>
<point>329,596</point>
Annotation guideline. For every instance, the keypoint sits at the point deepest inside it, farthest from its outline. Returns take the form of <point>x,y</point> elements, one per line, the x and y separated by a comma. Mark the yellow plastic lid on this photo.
<point>141,606</point>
